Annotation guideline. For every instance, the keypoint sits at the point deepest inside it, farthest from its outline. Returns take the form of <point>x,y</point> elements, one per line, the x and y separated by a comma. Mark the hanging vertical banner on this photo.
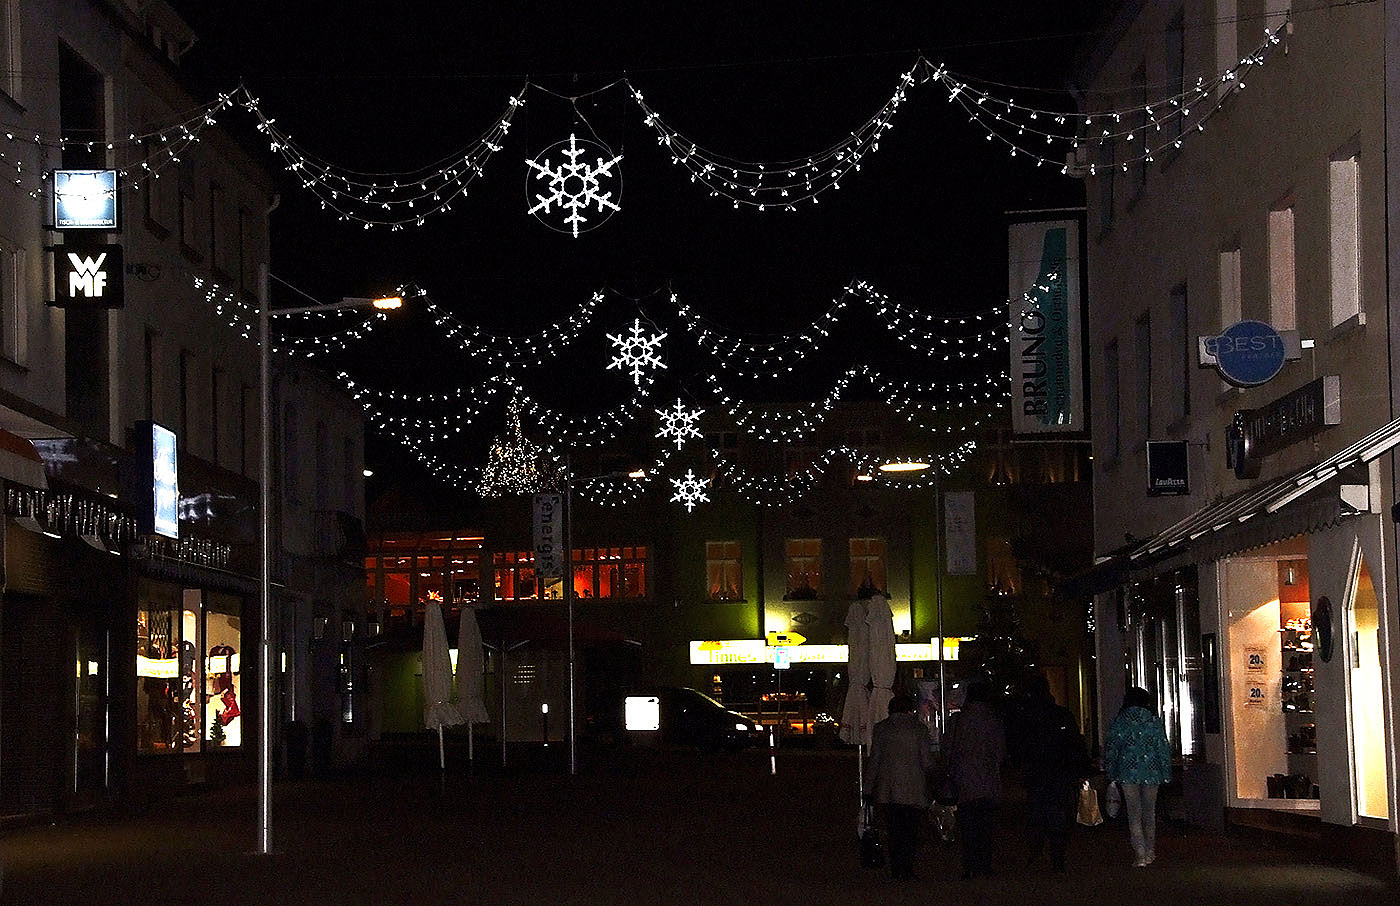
<point>1047,381</point>
<point>960,532</point>
<point>549,535</point>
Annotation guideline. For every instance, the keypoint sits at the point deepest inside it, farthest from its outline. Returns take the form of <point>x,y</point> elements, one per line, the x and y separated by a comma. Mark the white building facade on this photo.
<point>162,622</point>
<point>1240,327</point>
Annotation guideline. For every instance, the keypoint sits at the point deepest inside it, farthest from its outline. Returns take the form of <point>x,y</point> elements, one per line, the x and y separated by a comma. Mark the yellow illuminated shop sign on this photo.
<point>716,653</point>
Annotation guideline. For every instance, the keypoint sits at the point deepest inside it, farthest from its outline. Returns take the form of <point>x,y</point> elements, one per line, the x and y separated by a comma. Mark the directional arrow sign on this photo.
<point>785,638</point>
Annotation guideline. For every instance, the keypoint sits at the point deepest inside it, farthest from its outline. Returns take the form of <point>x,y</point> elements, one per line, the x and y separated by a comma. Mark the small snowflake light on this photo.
<point>690,490</point>
<point>636,352</point>
<point>574,186</point>
<point>679,423</point>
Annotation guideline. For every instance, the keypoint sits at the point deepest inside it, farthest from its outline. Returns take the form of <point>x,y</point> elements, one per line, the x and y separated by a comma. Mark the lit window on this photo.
<point>867,565</point>
<point>723,575</point>
<point>804,569</point>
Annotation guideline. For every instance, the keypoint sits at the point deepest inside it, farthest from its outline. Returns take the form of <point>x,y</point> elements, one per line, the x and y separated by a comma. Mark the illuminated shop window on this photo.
<point>724,579</point>
<point>513,573</point>
<point>610,572</point>
<point>169,671</point>
<point>223,683</point>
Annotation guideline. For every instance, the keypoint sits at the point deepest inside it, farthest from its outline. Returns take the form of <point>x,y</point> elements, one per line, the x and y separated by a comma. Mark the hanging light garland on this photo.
<point>515,465</point>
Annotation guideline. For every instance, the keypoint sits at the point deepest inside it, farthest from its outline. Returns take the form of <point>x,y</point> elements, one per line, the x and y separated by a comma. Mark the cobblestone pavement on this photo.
<point>635,827</point>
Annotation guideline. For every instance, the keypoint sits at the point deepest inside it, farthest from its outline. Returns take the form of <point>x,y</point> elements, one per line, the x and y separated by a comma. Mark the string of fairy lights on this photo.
<point>1071,142</point>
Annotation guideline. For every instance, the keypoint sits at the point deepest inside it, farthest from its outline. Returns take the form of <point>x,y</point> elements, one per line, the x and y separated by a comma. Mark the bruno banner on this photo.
<point>1047,380</point>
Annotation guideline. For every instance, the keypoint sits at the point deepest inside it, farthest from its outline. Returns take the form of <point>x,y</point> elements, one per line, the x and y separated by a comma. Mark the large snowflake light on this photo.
<point>690,490</point>
<point>679,423</point>
<point>573,186</point>
<point>636,352</point>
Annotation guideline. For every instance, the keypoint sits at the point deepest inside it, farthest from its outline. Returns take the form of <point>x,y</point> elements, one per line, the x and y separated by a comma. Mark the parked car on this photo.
<point>691,718</point>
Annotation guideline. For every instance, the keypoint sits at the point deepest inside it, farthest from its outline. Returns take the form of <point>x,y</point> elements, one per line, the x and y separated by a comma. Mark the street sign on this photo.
<point>785,638</point>
<point>782,659</point>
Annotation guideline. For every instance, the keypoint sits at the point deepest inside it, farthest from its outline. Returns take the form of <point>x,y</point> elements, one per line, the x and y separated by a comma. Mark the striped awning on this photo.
<point>20,462</point>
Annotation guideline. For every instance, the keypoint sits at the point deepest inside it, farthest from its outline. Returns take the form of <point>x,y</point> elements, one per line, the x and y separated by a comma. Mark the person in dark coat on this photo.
<point>900,760</point>
<point>1054,761</point>
<point>976,750</point>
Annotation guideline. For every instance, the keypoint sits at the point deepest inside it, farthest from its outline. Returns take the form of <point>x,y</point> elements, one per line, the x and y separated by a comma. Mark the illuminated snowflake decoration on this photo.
<point>574,186</point>
<point>679,423</point>
<point>636,352</point>
<point>690,490</point>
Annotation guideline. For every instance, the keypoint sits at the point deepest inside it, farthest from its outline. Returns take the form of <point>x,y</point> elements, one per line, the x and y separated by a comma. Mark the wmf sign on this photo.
<point>87,276</point>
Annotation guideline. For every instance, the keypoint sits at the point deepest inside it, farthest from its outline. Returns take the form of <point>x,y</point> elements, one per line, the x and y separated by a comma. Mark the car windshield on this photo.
<point>702,696</point>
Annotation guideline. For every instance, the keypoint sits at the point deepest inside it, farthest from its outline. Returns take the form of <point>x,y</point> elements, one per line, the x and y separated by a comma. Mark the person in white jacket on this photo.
<point>900,760</point>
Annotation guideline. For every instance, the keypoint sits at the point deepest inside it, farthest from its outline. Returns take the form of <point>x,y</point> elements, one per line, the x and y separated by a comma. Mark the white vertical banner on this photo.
<point>549,535</point>
<point>960,532</point>
<point>1047,376</point>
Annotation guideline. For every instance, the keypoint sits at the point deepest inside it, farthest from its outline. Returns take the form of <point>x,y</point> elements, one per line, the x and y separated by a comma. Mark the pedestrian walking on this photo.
<point>1137,756</point>
<point>976,751</point>
<point>1048,747</point>
<point>900,761</point>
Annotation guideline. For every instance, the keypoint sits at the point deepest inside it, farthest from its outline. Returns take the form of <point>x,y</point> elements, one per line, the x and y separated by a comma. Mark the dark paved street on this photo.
<point>637,827</point>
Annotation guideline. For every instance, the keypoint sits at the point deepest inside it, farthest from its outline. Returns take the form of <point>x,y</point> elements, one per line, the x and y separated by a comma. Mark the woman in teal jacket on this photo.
<point>1138,757</point>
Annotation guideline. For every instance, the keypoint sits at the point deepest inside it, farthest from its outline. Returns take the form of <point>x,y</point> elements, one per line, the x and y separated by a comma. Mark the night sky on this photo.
<point>388,86</point>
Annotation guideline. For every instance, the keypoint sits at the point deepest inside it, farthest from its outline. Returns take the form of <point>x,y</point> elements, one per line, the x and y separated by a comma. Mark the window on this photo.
<point>1138,127</point>
<point>804,569</point>
<point>724,578</point>
<point>148,368</point>
<point>321,464</point>
<point>1142,372</point>
<point>13,340</point>
<point>352,481</point>
<point>186,361</point>
<point>1105,172</point>
<point>291,455</point>
<point>189,226</point>
<point>798,459</point>
<point>1344,220</point>
<point>1113,435</point>
<point>1175,59</point>
<point>160,190</point>
<point>247,252</point>
<point>10,74</point>
<point>1283,302</point>
<point>188,667</point>
<point>1227,53</point>
<point>251,414</point>
<point>867,565</point>
<point>222,241</point>
<point>1179,351</point>
<point>514,576</point>
<point>216,387</point>
<point>610,572</point>
<point>1230,305</point>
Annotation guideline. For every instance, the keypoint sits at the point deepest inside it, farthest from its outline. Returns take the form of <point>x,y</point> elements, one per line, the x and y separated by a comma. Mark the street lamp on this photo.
<point>265,315</point>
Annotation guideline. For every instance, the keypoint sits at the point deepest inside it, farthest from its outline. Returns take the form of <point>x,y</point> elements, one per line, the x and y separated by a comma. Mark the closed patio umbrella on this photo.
<point>879,622</point>
<point>855,724</point>
<point>438,710</point>
<point>471,698</point>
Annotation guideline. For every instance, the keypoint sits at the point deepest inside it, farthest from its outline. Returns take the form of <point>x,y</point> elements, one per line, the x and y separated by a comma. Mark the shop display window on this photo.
<point>187,670</point>
<point>223,683</point>
<point>1271,665</point>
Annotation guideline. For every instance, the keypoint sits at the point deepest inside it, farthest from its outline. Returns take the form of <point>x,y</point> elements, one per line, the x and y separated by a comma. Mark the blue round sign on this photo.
<point>1247,353</point>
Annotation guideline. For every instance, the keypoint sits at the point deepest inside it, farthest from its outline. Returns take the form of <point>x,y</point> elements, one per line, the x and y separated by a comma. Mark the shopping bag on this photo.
<point>1113,799</point>
<point>1088,813</point>
<point>872,848</point>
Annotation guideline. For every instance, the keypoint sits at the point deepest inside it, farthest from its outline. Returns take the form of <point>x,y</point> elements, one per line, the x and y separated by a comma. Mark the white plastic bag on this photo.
<point>1113,800</point>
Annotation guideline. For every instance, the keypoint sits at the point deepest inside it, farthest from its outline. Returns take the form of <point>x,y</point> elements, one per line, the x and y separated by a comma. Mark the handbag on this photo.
<point>1113,799</point>
<point>872,848</point>
<point>1088,812</point>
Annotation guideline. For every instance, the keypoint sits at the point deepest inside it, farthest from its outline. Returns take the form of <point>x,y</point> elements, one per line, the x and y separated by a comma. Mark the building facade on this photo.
<point>130,417</point>
<point>1240,358</point>
<point>666,594</point>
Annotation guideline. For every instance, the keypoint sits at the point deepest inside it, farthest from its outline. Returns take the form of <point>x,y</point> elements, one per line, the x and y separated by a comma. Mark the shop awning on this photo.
<point>1306,500</point>
<point>20,462</point>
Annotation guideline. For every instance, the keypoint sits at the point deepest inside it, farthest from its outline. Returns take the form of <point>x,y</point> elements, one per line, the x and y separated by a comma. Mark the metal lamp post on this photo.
<point>265,314</point>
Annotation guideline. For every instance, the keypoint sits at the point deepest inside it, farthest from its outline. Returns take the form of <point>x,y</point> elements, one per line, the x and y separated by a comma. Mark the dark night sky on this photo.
<point>396,85</point>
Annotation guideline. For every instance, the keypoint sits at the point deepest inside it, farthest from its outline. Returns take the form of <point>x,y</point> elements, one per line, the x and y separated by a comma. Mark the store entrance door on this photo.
<point>90,742</point>
<point>1367,699</point>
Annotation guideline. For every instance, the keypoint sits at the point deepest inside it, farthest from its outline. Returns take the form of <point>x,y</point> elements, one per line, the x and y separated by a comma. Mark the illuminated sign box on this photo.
<point>87,276</point>
<point>731,652</point>
<point>85,199</point>
<point>154,480</point>
<point>642,712</point>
